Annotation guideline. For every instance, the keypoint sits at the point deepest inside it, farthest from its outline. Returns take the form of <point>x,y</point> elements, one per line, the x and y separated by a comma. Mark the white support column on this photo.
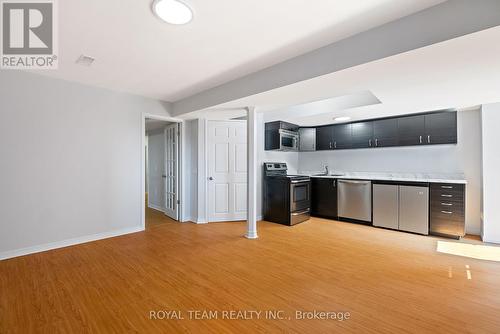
<point>251,174</point>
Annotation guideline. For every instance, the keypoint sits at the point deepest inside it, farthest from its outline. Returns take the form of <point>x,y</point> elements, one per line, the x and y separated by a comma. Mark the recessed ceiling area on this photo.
<point>457,73</point>
<point>140,54</point>
<point>320,112</point>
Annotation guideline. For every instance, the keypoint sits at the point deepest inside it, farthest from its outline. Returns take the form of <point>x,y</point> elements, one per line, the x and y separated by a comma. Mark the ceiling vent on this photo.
<point>85,60</point>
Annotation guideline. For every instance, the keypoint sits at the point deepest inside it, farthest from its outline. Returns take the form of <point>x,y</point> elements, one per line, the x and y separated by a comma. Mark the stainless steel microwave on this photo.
<point>289,140</point>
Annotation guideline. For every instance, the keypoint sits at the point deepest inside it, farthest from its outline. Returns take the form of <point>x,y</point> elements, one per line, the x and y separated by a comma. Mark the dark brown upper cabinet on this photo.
<point>362,135</point>
<point>342,136</point>
<point>411,130</point>
<point>324,138</point>
<point>385,132</point>
<point>433,128</point>
<point>441,128</point>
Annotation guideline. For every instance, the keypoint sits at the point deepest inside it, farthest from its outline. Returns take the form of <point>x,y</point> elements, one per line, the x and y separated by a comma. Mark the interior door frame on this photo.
<point>205,185</point>
<point>181,164</point>
<point>176,128</point>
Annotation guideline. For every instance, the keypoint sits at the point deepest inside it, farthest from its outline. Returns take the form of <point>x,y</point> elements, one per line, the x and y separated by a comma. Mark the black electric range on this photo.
<point>286,198</point>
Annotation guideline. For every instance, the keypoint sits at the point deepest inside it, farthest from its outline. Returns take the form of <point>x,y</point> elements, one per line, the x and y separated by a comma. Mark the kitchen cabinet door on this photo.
<point>342,136</point>
<point>441,128</point>
<point>324,138</point>
<point>385,132</point>
<point>386,205</point>
<point>307,139</point>
<point>324,197</point>
<point>362,135</point>
<point>414,209</point>
<point>411,130</point>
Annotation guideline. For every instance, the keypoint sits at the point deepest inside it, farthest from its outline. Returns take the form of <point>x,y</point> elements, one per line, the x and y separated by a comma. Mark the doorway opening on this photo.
<point>162,171</point>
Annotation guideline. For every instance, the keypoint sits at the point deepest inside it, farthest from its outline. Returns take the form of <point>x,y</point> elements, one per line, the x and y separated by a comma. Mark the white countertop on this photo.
<point>401,177</point>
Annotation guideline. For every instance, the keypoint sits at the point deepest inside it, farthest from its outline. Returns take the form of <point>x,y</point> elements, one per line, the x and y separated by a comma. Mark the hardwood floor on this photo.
<point>389,282</point>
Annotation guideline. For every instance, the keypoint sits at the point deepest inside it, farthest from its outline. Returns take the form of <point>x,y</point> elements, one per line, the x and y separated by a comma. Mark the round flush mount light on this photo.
<point>342,119</point>
<point>172,11</point>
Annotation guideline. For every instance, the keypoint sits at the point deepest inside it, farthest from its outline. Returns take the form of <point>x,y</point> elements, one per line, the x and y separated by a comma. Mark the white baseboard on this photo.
<point>155,207</point>
<point>491,241</point>
<point>68,242</point>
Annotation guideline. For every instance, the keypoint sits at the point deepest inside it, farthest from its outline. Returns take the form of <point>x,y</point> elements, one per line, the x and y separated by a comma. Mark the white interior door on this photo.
<point>227,170</point>
<point>171,133</point>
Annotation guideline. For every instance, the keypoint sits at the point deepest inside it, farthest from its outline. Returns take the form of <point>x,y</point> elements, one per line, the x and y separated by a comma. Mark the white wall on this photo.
<point>465,157</point>
<point>491,176</point>
<point>156,168</point>
<point>74,168</point>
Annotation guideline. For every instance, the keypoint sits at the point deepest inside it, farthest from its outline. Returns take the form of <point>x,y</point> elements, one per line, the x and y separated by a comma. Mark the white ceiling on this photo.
<point>457,73</point>
<point>137,53</point>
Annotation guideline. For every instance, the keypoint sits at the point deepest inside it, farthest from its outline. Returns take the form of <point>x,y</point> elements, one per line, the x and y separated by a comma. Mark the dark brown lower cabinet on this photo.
<point>447,214</point>
<point>324,197</point>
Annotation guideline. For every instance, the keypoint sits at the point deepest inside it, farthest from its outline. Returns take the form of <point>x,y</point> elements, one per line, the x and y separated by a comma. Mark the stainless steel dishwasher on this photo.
<point>355,199</point>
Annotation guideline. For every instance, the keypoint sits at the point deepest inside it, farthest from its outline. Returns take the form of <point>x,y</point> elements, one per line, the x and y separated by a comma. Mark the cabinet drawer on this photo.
<point>449,214</point>
<point>448,186</point>
<point>447,205</point>
<point>447,227</point>
<point>449,192</point>
<point>446,195</point>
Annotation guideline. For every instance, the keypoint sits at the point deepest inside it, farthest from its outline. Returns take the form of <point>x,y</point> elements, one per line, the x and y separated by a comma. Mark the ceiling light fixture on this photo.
<point>172,11</point>
<point>342,119</point>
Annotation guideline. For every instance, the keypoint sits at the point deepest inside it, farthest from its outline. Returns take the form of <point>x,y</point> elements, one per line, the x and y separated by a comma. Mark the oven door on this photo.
<point>288,141</point>
<point>300,195</point>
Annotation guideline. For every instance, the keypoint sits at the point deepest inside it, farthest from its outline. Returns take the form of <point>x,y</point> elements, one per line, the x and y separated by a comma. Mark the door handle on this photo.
<point>300,212</point>
<point>211,178</point>
<point>420,139</point>
<point>376,142</point>
<point>354,182</point>
<point>429,139</point>
<point>334,144</point>
<point>447,212</point>
<point>370,142</point>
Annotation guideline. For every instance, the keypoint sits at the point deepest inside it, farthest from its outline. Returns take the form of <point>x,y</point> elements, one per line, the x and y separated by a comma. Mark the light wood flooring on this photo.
<point>389,282</point>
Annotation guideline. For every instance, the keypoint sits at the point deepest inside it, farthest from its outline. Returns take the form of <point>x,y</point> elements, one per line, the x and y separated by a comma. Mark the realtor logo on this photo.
<point>28,34</point>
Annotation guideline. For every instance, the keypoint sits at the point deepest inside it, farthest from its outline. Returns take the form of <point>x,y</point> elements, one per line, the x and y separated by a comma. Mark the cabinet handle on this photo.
<point>334,144</point>
<point>447,204</point>
<point>376,142</point>
<point>334,183</point>
<point>370,142</point>
<point>449,196</point>
<point>330,145</point>
<point>447,187</point>
<point>420,139</point>
<point>429,139</point>
<point>447,212</point>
